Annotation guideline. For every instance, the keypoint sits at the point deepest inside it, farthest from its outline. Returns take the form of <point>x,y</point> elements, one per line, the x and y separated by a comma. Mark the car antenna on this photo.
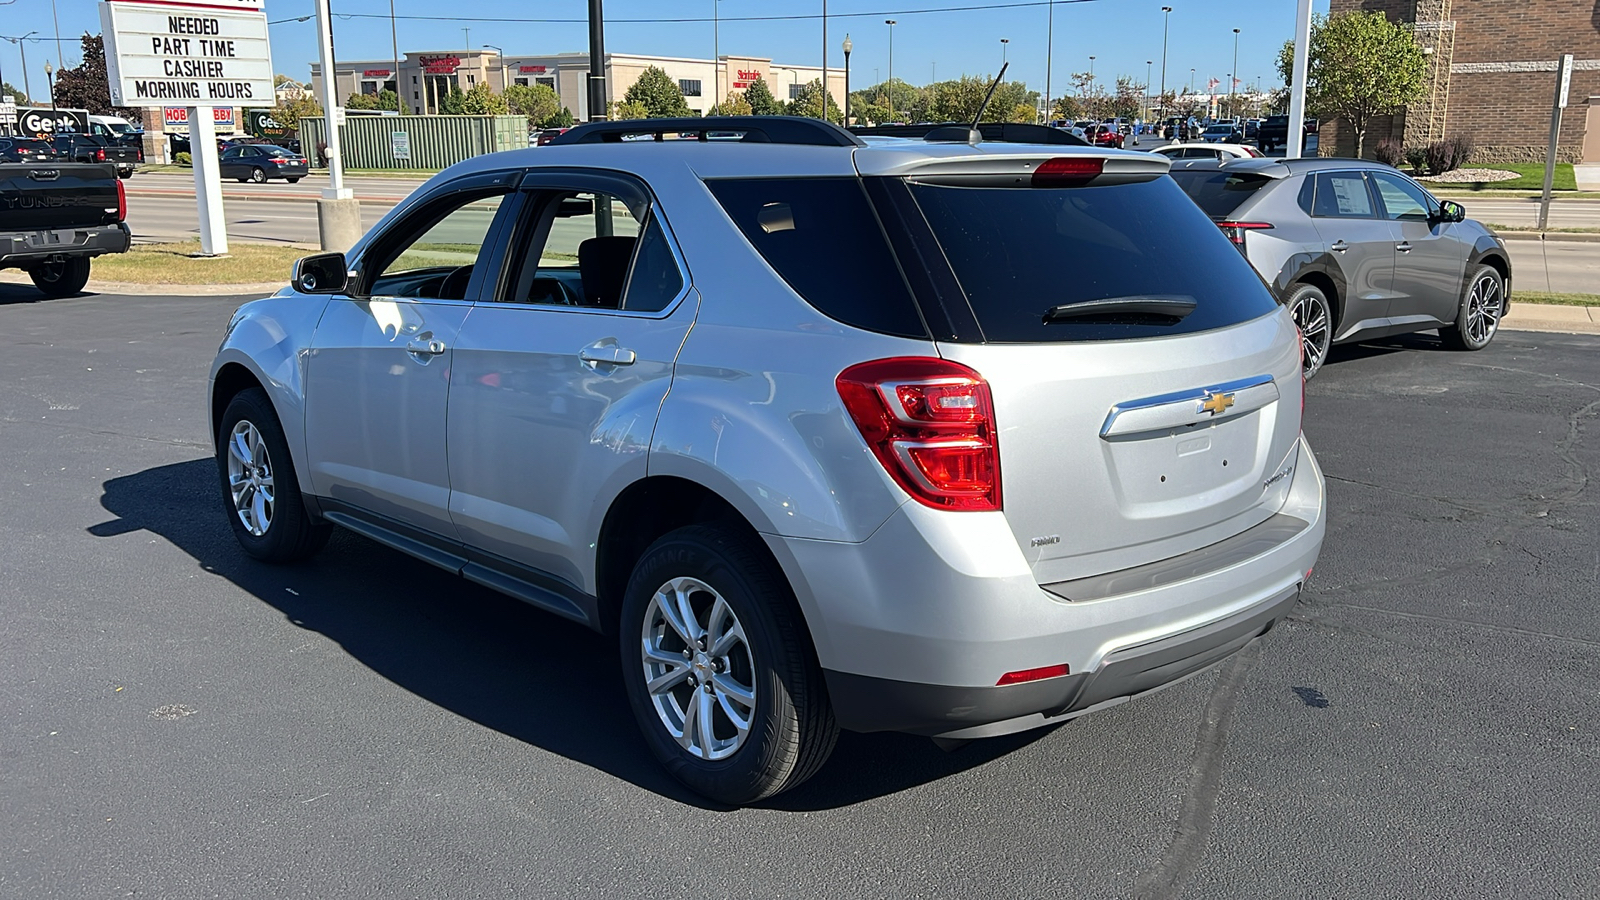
<point>973,135</point>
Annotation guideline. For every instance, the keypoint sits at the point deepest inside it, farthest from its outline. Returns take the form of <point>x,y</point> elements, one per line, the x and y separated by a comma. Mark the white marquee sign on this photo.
<point>188,54</point>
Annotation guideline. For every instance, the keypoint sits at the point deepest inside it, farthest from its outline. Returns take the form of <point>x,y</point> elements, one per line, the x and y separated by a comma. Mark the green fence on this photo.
<point>431,142</point>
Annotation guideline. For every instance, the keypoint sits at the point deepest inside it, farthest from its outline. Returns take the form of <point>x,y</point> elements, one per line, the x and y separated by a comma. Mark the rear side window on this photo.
<point>1021,253</point>
<point>822,238</point>
<point>1219,193</point>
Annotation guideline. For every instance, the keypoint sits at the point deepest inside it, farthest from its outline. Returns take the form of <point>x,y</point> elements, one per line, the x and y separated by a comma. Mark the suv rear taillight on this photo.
<point>122,202</point>
<point>1236,230</point>
<point>930,422</point>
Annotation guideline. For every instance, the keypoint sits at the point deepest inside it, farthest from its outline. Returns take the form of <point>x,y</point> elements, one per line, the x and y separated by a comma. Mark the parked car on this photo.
<point>548,135</point>
<point>54,220</point>
<point>1208,151</point>
<point>118,131</point>
<point>802,497</point>
<point>1222,134</point>
<point>90,148</point>
<point>262,162</point>
<point>26,150</point>
<point>1180,128</point>
<point>1101,135</point>
<point>1274,132</point>
<point>1357,250</point>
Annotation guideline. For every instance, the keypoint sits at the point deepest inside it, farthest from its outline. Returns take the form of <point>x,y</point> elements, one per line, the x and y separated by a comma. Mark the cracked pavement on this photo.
<point>182,722</point>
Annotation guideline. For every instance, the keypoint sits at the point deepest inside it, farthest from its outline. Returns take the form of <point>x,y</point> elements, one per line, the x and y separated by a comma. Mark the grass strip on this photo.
<point>181,264</point>
<point>1526,228</point>
<point>1530,178</point>
<point>1554,299</point>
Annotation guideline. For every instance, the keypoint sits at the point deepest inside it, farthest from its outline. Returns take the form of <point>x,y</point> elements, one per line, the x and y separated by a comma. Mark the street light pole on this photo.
<point>504,81</point>
<point>597,63</point>
<point>890,82</point>
<point>1003,43</point>
<point>716,52</point>
<point>847,48</point>
<point>1091,71</point>
<point>823,111</point>
<point>1049,48</point>
<point>1233,77</point>
<point>57,21</point>
<point>394,45</point>
<point>51,83</point>
<point>1166,19</point>
<point>1147,105</point>
<point>22,48</point>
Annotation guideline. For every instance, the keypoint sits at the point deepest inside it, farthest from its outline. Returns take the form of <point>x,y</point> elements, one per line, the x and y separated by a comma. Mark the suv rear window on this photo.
<point>1019,253</point>
<point>1218,193</point>
<point>820,235</point>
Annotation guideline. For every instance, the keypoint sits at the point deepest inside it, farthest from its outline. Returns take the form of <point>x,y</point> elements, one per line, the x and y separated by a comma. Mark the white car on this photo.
<point>1208,151</point>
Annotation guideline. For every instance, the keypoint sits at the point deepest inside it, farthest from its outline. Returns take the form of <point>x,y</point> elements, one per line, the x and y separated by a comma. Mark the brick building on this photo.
<point>1491,76</point>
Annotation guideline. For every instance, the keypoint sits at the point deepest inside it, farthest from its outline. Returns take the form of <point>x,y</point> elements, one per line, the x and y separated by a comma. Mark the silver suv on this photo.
<point>811,423</point>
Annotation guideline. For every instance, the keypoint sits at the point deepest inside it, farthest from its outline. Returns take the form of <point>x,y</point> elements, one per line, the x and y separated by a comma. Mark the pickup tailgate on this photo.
<point>58,195</point>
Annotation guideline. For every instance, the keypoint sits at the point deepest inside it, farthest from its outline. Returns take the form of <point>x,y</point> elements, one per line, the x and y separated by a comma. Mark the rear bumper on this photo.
<point>20,248</point>
<point>915,626</point>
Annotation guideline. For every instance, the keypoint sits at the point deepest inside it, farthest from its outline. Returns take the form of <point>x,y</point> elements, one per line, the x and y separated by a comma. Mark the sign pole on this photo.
<point>207,181</point>
<point>338,212</point>
<point>1563,87</point>
<point>1295,133</point>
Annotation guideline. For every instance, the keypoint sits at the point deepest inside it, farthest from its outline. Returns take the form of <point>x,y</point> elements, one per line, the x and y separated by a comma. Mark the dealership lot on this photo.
<point>184,722</point>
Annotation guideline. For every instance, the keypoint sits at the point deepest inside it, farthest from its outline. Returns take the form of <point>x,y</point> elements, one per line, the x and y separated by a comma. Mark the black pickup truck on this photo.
<point>55,217</point>
<point>92,148</point>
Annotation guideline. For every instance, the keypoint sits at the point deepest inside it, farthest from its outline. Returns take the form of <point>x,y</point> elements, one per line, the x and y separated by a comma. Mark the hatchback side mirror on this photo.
<point>323,273</point>
<point>1450,211</point>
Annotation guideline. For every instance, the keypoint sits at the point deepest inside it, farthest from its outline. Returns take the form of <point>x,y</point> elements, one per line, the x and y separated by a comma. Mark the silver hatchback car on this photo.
<point>1357,250</point>
<point>809,422</point>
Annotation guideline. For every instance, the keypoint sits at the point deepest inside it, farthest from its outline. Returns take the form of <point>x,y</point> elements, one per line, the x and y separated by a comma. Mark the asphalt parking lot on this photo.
<point>183,722</point>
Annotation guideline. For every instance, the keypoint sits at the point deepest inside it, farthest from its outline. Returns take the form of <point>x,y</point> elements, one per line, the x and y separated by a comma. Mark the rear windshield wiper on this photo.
<point>1167,308</point>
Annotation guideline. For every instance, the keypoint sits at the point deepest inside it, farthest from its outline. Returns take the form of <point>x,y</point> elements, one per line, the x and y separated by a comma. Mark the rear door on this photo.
<point>1130,435</point>
<point>1360,242</point>
<point>1430,261</point>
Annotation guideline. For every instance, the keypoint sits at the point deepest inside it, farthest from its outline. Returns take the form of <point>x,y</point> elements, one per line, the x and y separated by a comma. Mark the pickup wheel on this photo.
<point>258,176</point>
<point>719,669</point>
<point>61,279</point>
<point>260,492</point>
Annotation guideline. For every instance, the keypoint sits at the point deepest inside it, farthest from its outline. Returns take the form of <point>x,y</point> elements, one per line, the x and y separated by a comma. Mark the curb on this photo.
<point>1579,236</point>
<point>162,290</point>
<point>1549,317</point>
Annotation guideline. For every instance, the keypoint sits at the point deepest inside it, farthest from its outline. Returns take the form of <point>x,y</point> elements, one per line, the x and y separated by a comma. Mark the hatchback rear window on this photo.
<point>1219,193</point>
<point>1020,254</point>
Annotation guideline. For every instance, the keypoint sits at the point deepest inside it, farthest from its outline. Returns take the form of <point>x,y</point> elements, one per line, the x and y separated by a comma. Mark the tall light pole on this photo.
<point>890,82</point>
<point>22,48</point>
<point>394,44</point>
<point>52,84</point>
<point>716,51</point>
<point>1003,43</point>
<point>504,81</point>
<point>1091,71</point>
<point>1190,88</point>
<point>1166,19</point>
<point>1147,105</point>
<point>59,63</point>
<point>1049,49</point>
<point>597,72</point>
<point>1233,77</point>
<point>847,48</point>
<point>823,113</point>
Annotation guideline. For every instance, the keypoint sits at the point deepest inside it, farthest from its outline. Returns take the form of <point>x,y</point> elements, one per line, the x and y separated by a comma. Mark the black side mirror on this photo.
<point>323,273</point>
<point>1451,211</point>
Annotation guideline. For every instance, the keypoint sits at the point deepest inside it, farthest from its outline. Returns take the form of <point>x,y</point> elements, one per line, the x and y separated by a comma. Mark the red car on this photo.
<point>1103,136</point>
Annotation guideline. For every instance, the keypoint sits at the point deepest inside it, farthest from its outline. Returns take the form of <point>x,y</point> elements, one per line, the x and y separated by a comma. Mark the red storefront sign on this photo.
<point>745,77</point>
<point>375,73</point>
<point>439,65</point>
<point>531,70</point>
<point>173,116</point>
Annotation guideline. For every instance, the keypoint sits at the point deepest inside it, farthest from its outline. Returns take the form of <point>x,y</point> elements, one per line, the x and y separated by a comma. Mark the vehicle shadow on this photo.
<point>486,657</point>
<point>1376,347</point>
<point>15,294</point>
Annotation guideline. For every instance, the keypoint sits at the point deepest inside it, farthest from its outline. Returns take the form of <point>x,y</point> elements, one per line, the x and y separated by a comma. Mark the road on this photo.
<point>182,722</point>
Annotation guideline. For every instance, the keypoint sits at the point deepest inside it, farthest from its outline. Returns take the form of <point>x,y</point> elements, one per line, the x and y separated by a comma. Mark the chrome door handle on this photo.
<point>1339,247</point>
<point>425,348</point>
<point>1403,246</point>
<point>616,356</point>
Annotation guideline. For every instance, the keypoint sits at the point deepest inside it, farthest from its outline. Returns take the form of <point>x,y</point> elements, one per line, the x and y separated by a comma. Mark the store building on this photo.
<point>427,76</point>
<point>1491,76</point>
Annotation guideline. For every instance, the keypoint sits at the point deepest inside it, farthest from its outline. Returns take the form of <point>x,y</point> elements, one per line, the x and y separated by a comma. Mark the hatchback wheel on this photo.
<point>1313,315</point>
<point>1478,317</point>
<point>259,490</point>
<point>719,668</point>
<point>258,176</point>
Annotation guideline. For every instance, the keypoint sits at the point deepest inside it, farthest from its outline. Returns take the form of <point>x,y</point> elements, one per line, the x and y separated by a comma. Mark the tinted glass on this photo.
<point>655,280</point>
<point>1342,194</point>
<point>1219,193</point>
<point>438,261</point>
<point>1401,198</point>
<point>1008,247</point>
<point>231,153</point>
<point>821,237</point>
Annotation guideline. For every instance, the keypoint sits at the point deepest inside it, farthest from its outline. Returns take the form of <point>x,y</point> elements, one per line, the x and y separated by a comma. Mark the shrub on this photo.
<point>183,159</point>
<point>1449,154</point>
<point>1388,152</point>
<point>1416,158</point>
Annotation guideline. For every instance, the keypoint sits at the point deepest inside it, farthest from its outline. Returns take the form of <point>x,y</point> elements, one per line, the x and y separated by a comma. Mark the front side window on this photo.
<point>1342,195</point>
<point>1401,198</point>
<point>436,252</point>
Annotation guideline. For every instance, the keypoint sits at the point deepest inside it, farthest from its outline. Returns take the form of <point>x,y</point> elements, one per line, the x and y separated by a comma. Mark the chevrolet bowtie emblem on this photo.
<point>1216,403</point>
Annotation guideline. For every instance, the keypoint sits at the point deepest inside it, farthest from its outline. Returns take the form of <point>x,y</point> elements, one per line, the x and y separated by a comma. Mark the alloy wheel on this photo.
<point>250,478</point>
<point>698,668</point>
<point>1485,303</point>
<point>1312,316</point>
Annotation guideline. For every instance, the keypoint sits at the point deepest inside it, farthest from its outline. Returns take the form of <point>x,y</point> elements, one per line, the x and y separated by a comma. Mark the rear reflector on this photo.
<point>1038,674</point>
<point>1067,171</point>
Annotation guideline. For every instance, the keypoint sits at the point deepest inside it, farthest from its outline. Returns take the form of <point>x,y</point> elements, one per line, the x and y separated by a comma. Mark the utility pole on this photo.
<point>57,21</point>
<point>1166,19</point>
<point>716,52</point>
<point>1233,77</point>
<point>394,44</point>
<point>1297,91</point>
<point>1049,50</point>
<point>823,114</point>
<point>890,23</point>
<point>338,212</point>
<point>597,63</point>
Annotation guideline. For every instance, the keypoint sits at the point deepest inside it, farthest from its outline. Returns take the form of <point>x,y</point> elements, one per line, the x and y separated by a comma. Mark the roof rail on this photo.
<point>746,129</point>
<point>1002,132</point>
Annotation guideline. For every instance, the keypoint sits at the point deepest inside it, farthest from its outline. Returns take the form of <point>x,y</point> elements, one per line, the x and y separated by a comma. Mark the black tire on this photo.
<point>290,533</point>
<point>292,180</point>
<point>244,180</point>
<point>791,728</point>
<point>65,278</point>
<point>258,175</point>
<point>1478,315</point>
<point>1315,318</point>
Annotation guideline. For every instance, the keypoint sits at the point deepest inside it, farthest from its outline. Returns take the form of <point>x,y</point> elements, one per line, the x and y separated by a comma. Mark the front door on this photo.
<point>1360,243</point>
<point>559,374</point>
<point>380,366</point>
<point>1430,262</point>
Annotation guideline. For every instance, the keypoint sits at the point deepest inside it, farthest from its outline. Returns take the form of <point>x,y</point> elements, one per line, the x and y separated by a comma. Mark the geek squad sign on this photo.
<point>195,54</point>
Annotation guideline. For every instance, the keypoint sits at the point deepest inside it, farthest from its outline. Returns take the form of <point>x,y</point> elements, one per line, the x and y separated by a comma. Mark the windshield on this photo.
<point>1013,249</point>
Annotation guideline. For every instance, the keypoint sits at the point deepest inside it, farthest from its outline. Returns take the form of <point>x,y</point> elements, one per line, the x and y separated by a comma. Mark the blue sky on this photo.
<point>1121,34</point>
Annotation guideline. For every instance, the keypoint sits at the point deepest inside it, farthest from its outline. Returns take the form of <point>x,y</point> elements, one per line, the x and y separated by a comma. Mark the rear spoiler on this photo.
<point>997,132</point>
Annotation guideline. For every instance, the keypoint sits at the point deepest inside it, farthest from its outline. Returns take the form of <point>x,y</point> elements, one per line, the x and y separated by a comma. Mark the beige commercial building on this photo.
<point>426,76</point>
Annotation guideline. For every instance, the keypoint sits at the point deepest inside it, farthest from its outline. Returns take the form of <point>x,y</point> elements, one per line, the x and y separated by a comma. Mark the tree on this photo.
<point>1067,108</point>
<point>629,109</point>
<point>561,119</point>
<point>1023,112</point>
<point>389,100</point>
<point>761,101</point>
<point>1129,99</point>
<point>658,94</point>
<point>538,102</point>
<point>483,101</point>
<point>1361,65</point>
<point>292,109</point>
<point>361,101</point>
<point>87,86</point>
<point>281,80</point>
<point>453,103</point>
<point>809,101</point>
<point>735,105</point>
<point>9,89</point>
